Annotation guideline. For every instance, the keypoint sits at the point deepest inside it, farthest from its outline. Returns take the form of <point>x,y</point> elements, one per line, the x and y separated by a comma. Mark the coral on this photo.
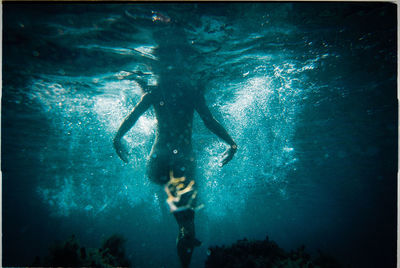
<point>66,254</point>
<point>266,253</point>
<point>113,251</point>
<point>71,254</point>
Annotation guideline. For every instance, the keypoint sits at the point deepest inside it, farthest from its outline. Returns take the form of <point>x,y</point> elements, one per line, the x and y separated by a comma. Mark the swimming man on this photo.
<point>171,161</point>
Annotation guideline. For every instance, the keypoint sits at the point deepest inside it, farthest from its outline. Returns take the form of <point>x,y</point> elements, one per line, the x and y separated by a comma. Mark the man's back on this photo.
<point>174,111</point>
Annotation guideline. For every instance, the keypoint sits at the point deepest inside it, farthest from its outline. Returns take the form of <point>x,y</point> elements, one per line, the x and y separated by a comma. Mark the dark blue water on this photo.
<point>307,90</point>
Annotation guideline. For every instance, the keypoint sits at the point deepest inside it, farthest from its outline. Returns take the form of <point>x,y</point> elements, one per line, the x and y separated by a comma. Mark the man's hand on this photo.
<point>121,150</point>
<point>140,78</point>
<point>228,155</point>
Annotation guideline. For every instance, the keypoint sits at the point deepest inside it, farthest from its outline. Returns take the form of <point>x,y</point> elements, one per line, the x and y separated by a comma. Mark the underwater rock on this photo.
<point>65,254</point>
<point>113,251</point>
<point>264,254</point>
<point>71,254</point>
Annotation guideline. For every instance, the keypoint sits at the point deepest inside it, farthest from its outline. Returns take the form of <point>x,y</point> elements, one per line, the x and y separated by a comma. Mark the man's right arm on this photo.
<point>212,124</point>
<point>128,122</point>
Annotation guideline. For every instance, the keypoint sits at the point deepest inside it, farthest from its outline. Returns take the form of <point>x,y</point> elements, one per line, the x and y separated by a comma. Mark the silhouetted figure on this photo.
<point>171,162</point>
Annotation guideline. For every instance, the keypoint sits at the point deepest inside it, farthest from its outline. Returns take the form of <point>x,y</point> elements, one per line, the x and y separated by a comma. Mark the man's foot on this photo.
<point>185,244</point>
<point>187,239</point>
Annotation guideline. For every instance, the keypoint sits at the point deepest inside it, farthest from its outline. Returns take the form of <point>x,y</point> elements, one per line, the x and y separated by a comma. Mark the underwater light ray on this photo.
<point>268,93</point>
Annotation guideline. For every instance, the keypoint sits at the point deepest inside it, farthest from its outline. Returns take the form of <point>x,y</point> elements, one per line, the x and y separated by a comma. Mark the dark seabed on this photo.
<point>307,90</point>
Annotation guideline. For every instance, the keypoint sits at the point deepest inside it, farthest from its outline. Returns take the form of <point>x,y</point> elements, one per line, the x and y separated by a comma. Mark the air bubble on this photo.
<point>175,151</point>
<point>161,103</point>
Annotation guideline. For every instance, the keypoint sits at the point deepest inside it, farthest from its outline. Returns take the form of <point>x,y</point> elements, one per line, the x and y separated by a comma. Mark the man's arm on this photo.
<point>212,124</point>
<point>128,122</point>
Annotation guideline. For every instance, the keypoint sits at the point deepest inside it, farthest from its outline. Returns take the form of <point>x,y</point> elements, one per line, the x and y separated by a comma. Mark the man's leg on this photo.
<point>181,199</point>
<point>186,240</point>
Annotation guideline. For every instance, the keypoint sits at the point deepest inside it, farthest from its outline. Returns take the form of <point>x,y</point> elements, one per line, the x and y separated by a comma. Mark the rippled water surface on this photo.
<point>307,90</point>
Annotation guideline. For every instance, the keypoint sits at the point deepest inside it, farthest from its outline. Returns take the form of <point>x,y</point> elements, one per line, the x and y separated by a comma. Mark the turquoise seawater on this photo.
<point>307,90</point>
